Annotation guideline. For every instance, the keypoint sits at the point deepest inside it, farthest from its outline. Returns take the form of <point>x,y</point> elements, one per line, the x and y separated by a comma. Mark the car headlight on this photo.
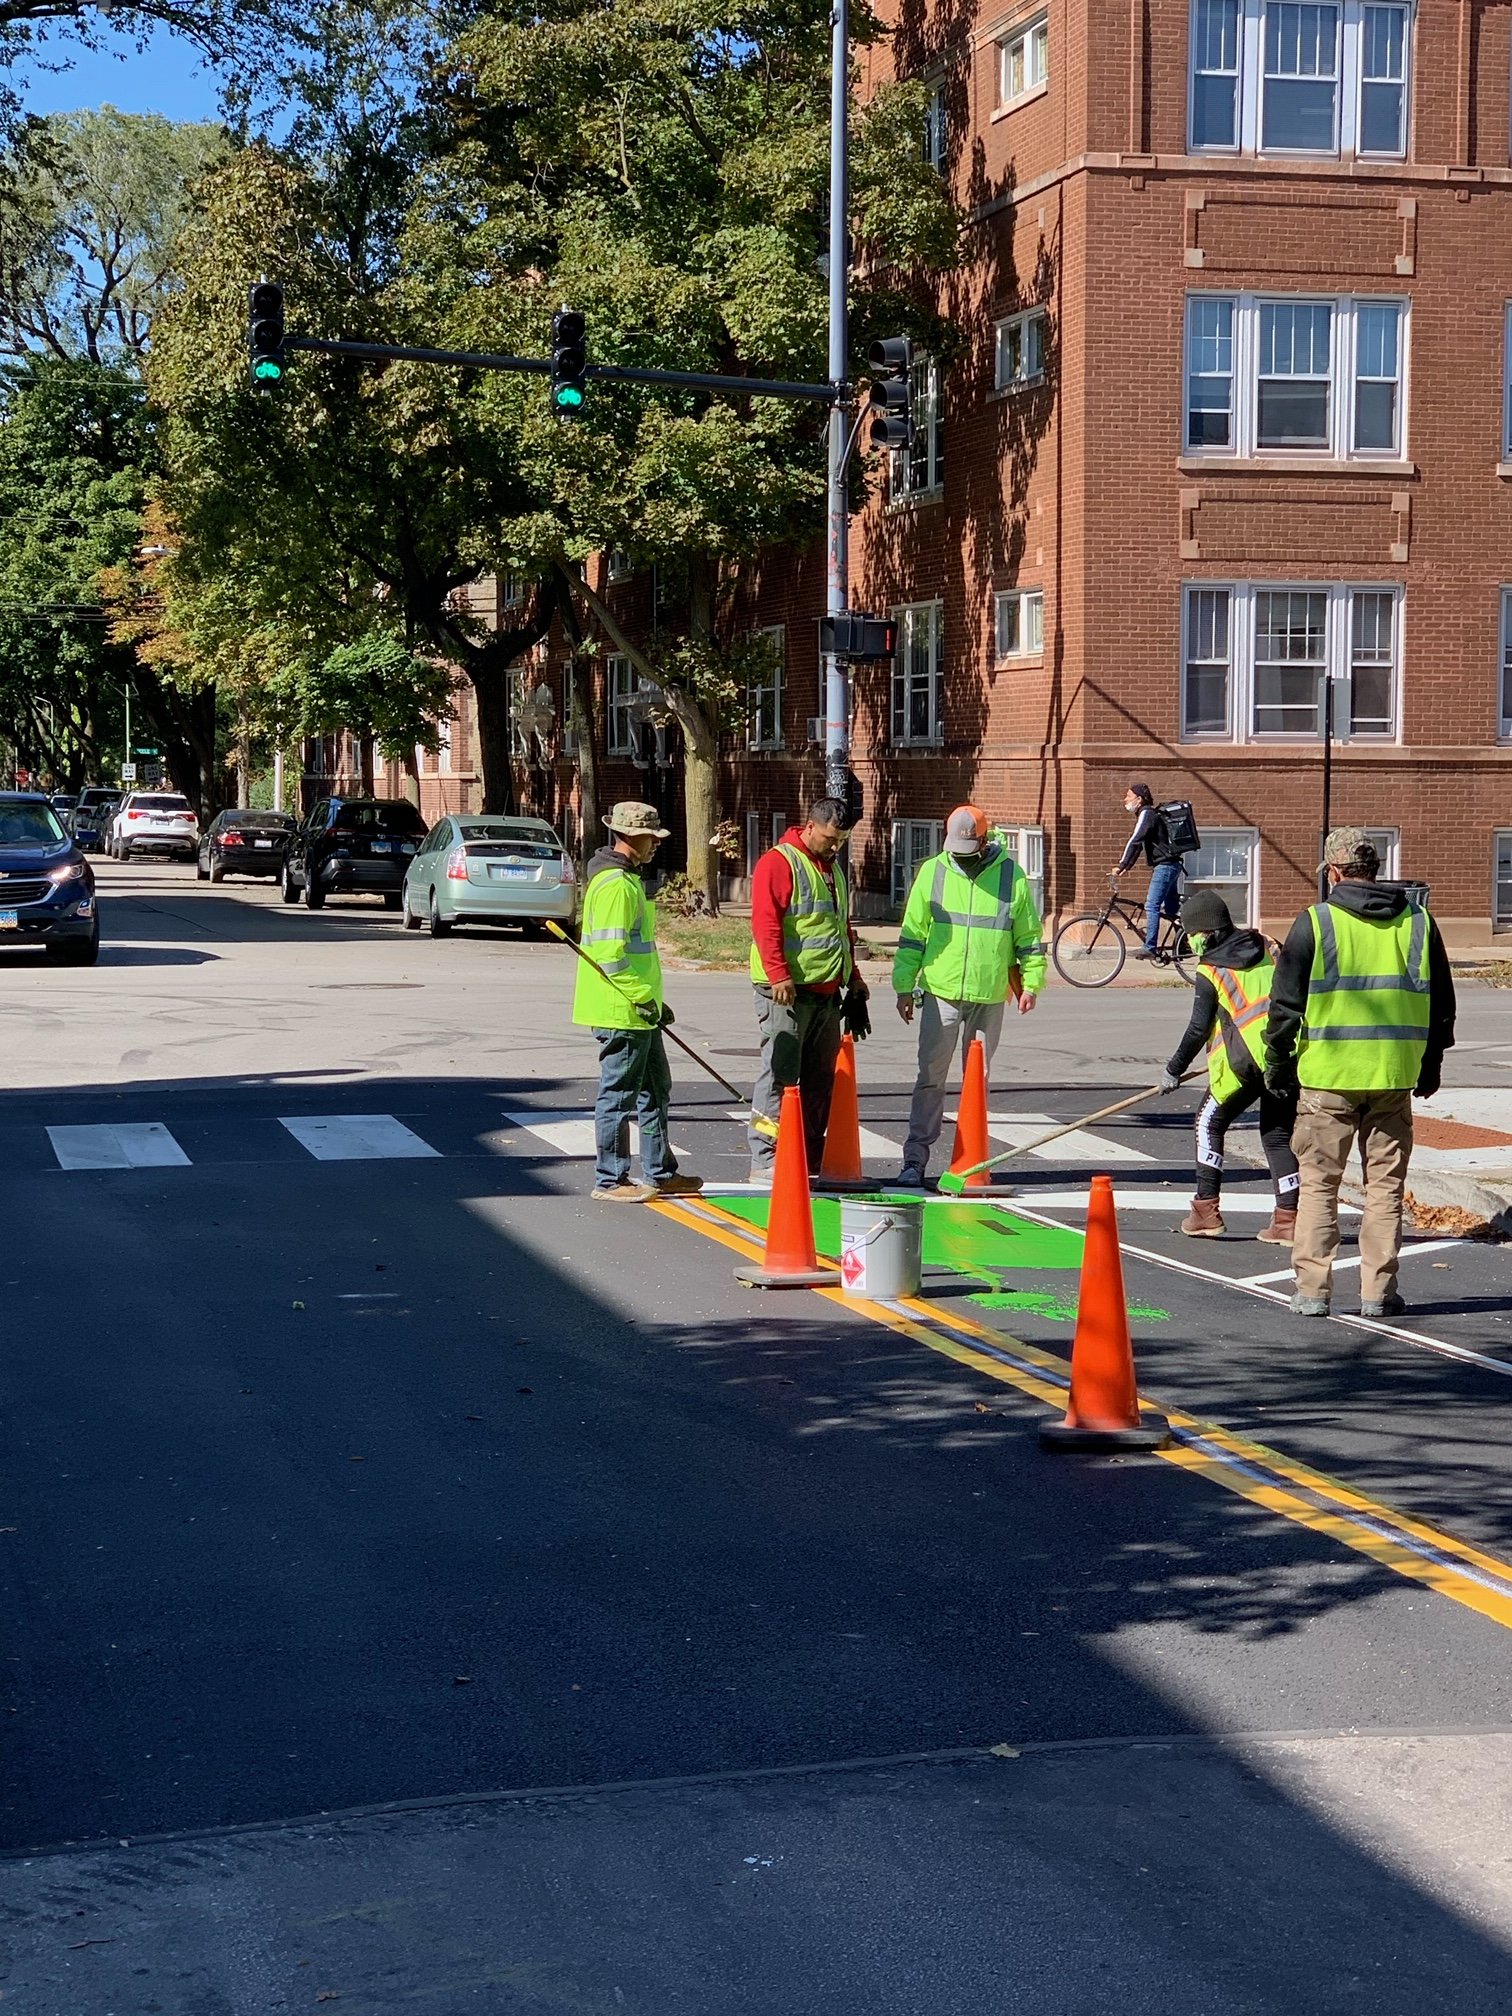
<point>67,872</point>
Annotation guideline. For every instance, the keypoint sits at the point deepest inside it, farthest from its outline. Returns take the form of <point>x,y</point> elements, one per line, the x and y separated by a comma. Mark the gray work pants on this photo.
<point>799,1046</point>
<point>944,1026</point>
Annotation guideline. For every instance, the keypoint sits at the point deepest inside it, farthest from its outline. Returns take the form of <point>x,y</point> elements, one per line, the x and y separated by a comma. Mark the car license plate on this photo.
<point>262,843</point>
<point>383,846</point>
<point>512,874</point>
<point>9,921</point>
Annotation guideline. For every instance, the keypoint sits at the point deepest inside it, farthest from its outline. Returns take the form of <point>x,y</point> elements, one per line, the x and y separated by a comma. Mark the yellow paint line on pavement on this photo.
<point>1409,1547</point>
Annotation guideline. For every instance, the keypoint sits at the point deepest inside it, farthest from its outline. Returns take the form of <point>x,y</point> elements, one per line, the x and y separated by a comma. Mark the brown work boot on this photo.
<point>622,1193</point>
<point>679,1186</point>
<point>1282,1228</point>
<point>1204,1220</point>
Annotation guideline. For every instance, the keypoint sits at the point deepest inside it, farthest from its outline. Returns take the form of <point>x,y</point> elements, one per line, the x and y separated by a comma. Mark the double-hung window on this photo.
<point>1023,61</point>
<point>1504,711</point>
<point>934,139</point>
<point>1283,376</point>
<point>1320,77</point>
<point>916,674</point>
<point>1226,863</point>
<point>764,694</point>
<point>1255,655</point>
<point>1020,350</point>
<point>919,469</point>
<point>1019,623</point>
<point>1502,914</point>
<point>913,841</point>
<point>623,738</point>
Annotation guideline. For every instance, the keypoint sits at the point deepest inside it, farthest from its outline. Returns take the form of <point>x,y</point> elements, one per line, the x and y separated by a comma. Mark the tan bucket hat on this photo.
<point>631,817</point>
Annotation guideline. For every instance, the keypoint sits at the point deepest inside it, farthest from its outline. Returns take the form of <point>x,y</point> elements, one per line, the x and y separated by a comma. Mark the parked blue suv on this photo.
<point>47,888</point>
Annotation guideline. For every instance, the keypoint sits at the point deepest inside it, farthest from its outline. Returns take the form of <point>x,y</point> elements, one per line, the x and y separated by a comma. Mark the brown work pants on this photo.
<point>1328,1125</point>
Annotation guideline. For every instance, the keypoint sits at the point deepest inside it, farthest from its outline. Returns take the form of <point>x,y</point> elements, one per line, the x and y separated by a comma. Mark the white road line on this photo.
<point>356,1137</point>
<point>875,1147</point>
<point>133,1145</point>
<point>1412,1246</point>
<point>1459,1352</point>
<point>572,1135</point>
<point>1015,1129</point>
<point>1140,1200</point>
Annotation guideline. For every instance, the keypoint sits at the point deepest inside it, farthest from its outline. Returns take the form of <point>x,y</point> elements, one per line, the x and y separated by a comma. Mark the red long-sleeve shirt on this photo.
<point>771,893</point>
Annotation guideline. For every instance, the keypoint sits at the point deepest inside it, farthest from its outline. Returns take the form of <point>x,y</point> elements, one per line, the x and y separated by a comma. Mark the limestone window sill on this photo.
<point>1296,465</point>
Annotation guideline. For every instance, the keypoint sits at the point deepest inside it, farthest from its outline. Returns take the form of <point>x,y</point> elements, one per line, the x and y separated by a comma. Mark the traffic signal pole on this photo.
<point>838,782</point>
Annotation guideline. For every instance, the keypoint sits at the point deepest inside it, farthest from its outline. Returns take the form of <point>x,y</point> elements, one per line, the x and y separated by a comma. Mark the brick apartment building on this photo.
<point>1226,411</point>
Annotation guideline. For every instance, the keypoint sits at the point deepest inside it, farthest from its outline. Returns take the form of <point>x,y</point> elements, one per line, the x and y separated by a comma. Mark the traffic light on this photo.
<point>891,360</point>
<point>265,332</point>
<point>569,363</point>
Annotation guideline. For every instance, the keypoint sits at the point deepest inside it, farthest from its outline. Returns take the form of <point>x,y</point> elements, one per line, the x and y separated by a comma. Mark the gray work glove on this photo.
<point>1169,1080</point>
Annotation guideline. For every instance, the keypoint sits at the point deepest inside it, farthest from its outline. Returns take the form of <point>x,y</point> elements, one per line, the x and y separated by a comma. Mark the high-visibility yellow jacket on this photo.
<point>619,930</point>
<point>1365,1026</point>
<point>1236,1047</point>
<point>963,934</point>
<point>815,925</point>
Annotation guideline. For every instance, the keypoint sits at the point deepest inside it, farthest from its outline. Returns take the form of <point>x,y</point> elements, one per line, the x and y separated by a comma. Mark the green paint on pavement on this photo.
<point>1055,1308</point>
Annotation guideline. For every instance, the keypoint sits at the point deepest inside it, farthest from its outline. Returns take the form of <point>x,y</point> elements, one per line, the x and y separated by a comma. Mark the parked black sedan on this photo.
<point>90,819</point>
<point>47,888</point>
<point>352,847</point>
<point>243,843</point>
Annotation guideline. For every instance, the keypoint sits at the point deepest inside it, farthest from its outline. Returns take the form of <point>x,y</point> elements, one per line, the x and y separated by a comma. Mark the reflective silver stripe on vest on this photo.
<point>812,895</point>
<point>910,944</point>
<point>1000,919</point>
<point>1410,1032</point>
<point>616,931</point>
<point>1413,981</point>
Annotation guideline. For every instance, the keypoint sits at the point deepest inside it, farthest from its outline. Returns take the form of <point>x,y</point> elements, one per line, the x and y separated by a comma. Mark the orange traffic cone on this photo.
<point>841,1167</point>
<point>971,1147</point>
<point>790,1260</point>
<point>1104,1409</point>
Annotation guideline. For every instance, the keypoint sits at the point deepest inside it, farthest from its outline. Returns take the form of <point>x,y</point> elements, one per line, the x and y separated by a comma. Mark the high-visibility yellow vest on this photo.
<point>619,930</point>
<point>962,934</point>
<point>1366,1024</point>
<point>1236,1048</point>
<point>815,925</point>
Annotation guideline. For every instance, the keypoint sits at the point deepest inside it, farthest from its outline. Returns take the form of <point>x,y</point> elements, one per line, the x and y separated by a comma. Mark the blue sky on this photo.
<point>167,77</point>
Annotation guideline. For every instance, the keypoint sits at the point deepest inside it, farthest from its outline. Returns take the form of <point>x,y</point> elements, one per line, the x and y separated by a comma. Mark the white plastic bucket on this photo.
<point>881,1247</point>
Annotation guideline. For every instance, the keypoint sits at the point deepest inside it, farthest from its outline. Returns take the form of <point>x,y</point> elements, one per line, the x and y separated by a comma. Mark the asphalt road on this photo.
<point>426,1588</point>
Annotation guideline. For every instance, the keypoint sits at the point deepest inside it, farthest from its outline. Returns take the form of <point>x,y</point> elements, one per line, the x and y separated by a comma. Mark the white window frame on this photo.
<point>935,143</point>
<point>753,848</point>
<point>1387,841</point>
<point>1504,671</point>
<point>511,589</point>
<point>1501,905</point>
<point>618,566</point>
<point>1347,319</point>
<point>913,841</point>
<point>622,684</point>
<point>1022,609</point>
<point>778,824</point>
<point>1507,384</point>
<point>910,617</point>
<point>444,744</point>
<point>1018,350</point>
<point>1027,846</point>
<point>928,441</point>
<point>1032,40</point>
<point>1350,82</point>
<point>1338,654</point>
<point>1246,838</point>
<point>760,689</point>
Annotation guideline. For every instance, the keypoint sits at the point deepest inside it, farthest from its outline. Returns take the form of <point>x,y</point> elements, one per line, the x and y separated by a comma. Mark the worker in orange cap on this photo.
<point>971,936</point>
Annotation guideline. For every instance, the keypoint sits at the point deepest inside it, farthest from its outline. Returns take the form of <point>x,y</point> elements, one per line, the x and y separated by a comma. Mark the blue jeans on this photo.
<point>635,1082</point>
<point>1164,899</point>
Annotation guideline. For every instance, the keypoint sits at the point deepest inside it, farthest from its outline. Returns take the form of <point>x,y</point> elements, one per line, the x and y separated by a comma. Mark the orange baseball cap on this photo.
<point>966,830</point>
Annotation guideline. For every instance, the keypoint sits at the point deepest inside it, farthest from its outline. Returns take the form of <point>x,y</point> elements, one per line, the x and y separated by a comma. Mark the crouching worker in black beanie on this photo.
<point>1229,1013</point>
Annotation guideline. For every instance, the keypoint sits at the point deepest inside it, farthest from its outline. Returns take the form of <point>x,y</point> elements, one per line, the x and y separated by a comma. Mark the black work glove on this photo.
<point>856,1016</point>
<point>667,1018</point>
<point>1428,1079</point>
<point>1281,1080</point>
<point>649,1013</point>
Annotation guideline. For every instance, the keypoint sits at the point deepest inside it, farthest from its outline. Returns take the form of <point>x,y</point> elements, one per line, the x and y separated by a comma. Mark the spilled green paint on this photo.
<point>976,1242</point>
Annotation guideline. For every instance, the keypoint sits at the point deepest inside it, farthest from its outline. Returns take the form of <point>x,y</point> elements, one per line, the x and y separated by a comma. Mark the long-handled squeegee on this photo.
<point>759,1121</point>
<point>953,1184</point>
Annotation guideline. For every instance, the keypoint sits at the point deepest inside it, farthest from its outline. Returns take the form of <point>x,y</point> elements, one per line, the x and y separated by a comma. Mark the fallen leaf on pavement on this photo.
<point>1002,1750</point>
<point>461,1679</point>
<point>296,1305</point>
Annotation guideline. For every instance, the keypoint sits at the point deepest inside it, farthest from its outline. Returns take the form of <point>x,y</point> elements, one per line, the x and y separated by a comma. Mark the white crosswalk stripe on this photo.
<point>1014,1130</point>
<point>123,1145</point>
<point>875,1147</point>
<point>356,1137</point>
<point>571,1133</point>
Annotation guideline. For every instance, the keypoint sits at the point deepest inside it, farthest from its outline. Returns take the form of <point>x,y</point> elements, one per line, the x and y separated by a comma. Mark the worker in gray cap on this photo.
<point>1362,1011</point>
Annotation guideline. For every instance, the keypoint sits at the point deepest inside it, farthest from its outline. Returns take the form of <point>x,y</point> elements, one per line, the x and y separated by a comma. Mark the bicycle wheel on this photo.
<point>1178,949</point>
<point>1089,950</point>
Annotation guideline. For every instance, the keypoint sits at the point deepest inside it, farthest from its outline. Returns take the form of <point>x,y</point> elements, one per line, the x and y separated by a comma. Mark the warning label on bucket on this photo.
<point>852,1266</point>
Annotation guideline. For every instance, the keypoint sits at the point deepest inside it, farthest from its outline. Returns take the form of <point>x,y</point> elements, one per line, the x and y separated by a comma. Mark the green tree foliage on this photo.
<point>375,688</point>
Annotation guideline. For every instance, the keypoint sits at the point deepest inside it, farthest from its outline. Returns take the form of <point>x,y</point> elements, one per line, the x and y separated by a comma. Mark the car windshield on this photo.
<point>517,831</point>
<point>249,818</point>
<point>374,816</point>
<point>146,802</point>
<point>29,826</point>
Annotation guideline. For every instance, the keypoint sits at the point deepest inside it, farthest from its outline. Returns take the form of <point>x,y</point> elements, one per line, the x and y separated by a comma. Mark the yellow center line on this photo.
<point>1224,1458</point>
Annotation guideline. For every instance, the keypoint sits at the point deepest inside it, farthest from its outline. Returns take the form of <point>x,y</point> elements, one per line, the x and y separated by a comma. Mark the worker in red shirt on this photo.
<point>803,963</point>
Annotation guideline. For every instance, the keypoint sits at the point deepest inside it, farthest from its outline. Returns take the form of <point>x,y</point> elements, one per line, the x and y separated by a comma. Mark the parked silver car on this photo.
<point>153,822</point>
<point>489,868</point>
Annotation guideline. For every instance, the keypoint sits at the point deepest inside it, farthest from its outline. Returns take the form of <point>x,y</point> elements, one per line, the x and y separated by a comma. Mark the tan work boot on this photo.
<point>622,1193</point>
<point>1204,1220</point>
<point>1281,1230</point>
<point>679,1186</point>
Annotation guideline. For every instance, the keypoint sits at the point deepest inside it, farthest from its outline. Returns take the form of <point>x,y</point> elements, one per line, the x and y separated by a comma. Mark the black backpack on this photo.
<point>1181,826</point>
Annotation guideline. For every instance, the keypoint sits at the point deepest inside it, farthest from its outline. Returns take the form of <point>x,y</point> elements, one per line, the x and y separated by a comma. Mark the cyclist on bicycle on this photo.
<point>1152,837</point>
<point>1229,1008</point>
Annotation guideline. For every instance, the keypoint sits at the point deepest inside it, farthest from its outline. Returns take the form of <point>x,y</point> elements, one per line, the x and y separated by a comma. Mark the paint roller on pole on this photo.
<point>759,1121</point>
<point>953,1182</point>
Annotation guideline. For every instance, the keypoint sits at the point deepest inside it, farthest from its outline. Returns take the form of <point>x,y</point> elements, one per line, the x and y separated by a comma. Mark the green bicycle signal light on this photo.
<point>265,332</point>
<point>569,363</point>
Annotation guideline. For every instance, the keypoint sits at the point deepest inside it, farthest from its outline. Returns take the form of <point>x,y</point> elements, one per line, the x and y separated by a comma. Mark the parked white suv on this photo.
<point>154,822</point>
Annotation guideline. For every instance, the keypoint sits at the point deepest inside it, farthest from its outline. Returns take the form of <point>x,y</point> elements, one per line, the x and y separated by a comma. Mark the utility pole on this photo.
<point>837,777</point>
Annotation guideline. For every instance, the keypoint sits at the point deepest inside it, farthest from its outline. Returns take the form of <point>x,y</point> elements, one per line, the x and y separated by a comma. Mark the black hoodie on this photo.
<point>608,857</point>
<point>1239,949</point>
<point>1294,970</point>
